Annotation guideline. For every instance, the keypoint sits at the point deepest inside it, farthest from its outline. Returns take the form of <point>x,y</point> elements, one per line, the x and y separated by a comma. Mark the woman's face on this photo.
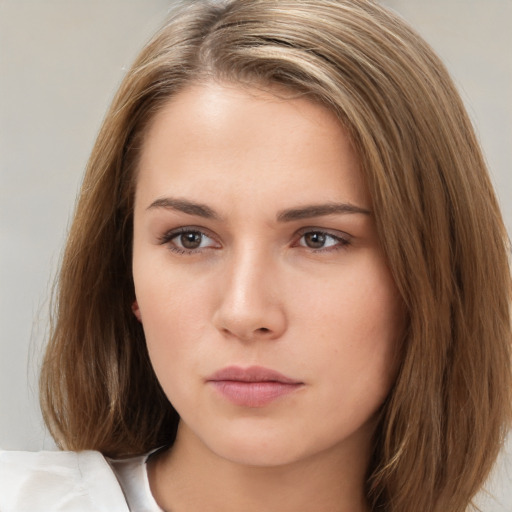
<point>270,315</point>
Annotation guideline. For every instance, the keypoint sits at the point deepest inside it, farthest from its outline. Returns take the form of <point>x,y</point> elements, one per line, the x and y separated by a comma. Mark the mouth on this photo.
<point>252,387</point>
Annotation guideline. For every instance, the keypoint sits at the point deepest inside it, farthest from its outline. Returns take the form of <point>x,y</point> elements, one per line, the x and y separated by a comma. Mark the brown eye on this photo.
<point>322,240</point>
<point>315,240</point>
<point>190,240</point>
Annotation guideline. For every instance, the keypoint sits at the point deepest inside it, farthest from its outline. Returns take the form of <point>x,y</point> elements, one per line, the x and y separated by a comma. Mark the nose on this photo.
<point>251,306</point>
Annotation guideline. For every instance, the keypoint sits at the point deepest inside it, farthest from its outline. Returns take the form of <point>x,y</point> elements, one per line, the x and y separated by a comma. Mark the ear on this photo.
<point>136,310</point>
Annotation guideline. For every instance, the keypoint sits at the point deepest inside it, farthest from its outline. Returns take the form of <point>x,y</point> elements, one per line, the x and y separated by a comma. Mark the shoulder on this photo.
<point>132,474</point>
<point>58,481</point>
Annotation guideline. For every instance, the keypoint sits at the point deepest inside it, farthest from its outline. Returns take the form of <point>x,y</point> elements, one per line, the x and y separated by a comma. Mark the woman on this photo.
<point>286,231</point>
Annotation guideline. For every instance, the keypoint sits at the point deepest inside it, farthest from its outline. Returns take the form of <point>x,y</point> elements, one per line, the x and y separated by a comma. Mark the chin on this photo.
<point>255,445</point>
<point>268,446</point>
<point>257,454</point>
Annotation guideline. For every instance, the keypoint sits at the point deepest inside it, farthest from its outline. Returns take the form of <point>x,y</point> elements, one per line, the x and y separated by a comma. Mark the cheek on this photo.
<point>360,303</point>
<point>169,318</point>
<point>174,312</point>
<point>356,328</point>
<point>168,297</point>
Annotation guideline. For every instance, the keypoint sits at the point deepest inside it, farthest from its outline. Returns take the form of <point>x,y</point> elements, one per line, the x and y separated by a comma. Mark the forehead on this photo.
<point>222,137</point>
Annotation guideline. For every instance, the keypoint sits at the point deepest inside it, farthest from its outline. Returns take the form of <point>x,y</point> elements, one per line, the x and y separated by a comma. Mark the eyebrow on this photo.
<point>185,206</point>
<point>320,210</point>
<point>288,215</point>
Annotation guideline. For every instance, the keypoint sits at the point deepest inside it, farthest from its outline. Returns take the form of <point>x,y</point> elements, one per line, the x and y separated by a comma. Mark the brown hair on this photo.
<point>445,419</point>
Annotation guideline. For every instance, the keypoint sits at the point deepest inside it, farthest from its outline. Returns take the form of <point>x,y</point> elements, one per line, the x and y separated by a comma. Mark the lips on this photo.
<point>252,387</point>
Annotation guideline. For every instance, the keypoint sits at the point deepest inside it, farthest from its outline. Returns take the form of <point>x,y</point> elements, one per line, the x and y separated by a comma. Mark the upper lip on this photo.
<point>251,374</point>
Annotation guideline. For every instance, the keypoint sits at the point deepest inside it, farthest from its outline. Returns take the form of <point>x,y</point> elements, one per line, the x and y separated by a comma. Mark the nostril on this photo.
<point>263,330</point>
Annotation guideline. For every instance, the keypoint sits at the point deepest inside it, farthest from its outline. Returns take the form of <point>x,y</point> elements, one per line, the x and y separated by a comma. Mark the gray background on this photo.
<point>60,63</point>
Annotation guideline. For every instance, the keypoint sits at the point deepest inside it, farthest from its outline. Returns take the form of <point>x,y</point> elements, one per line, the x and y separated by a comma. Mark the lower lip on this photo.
<point>253,394</point>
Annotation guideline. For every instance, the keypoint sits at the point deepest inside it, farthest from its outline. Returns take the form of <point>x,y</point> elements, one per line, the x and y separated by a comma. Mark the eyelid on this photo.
<point>167,237</point>
<point>344,238</point>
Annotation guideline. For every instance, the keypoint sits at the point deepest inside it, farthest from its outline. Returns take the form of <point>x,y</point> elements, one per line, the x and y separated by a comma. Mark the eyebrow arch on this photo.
<point>185,206</point>
<point>319,210</point>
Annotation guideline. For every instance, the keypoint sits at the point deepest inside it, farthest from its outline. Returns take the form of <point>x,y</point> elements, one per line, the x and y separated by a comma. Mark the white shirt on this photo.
<point>73,482</point>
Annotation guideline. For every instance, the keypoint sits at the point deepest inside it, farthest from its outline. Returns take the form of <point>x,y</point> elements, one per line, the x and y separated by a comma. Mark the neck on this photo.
<point>189,475</point>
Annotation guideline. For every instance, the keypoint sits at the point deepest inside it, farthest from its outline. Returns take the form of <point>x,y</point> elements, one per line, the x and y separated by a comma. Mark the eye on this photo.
<point>318,240</point>
<point>189,240</point>
<point>186,240</point>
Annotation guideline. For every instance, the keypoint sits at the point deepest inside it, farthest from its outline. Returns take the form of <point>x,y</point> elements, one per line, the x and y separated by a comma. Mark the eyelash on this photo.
<point>169,236</point>
<point>342,242</point>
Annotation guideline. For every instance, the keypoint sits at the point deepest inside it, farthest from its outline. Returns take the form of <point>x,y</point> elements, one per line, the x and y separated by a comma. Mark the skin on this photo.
<point>269,282</point>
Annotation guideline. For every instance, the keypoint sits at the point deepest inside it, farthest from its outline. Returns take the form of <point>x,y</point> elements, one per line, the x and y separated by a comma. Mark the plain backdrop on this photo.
<point>60,63</point>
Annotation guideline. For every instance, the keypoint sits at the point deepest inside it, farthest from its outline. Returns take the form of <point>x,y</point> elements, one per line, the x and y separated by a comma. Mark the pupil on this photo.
<point>191,240</point>
<point>315,240</point>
